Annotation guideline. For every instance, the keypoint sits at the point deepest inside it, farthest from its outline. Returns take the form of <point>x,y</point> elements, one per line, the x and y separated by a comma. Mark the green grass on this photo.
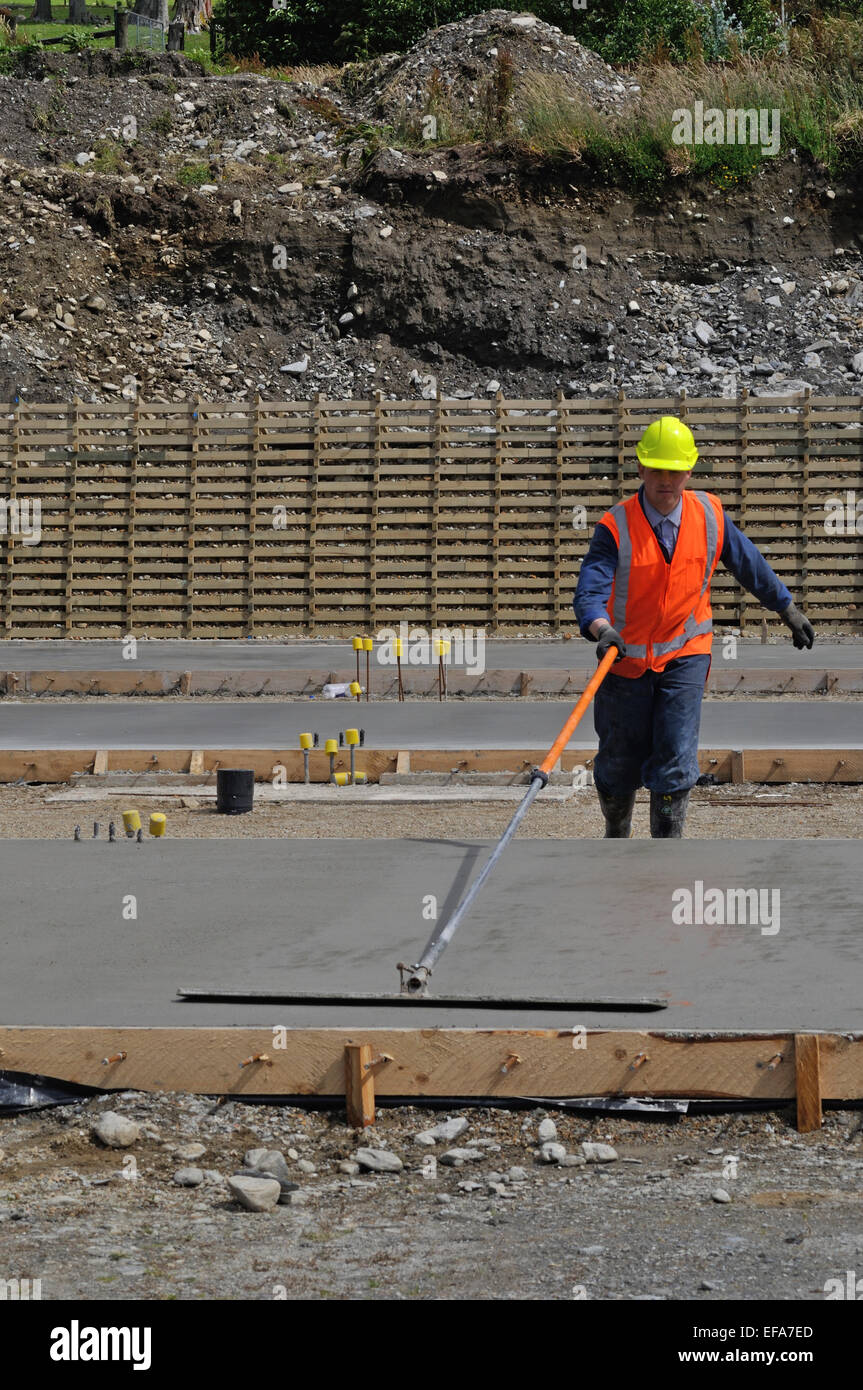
<point>197,45</point>
<point>110,158</point>
<point>193,175</point>
<point>817,88</point>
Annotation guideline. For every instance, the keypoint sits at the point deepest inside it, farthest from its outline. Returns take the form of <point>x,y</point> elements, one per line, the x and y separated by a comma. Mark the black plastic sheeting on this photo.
<point>21,1091</point>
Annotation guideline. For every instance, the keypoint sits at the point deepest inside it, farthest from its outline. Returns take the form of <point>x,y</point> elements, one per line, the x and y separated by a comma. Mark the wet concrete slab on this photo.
<point>524,724</point>
<point>579,919</point>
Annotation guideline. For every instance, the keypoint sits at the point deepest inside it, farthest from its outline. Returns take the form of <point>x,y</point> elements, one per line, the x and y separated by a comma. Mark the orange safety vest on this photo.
<point>661,610</point>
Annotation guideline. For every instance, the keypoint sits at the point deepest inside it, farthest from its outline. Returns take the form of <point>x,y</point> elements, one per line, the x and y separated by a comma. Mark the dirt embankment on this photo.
<point>169,232</point>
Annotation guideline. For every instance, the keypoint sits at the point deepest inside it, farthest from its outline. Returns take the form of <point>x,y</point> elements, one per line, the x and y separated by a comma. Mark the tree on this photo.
<point>42,13</point>
<point>77,11</point>
<point>153,9</point>
<point>188,10</point>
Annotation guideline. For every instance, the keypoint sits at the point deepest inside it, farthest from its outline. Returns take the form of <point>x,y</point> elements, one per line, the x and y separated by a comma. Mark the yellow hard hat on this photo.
<point>667,443</point>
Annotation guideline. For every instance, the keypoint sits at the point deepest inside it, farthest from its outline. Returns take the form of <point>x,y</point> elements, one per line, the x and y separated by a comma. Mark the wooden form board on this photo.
<point>727,765</point>
<point>838,765</point>
<point>446,1062</point>
<point>271,518</point>
<point>551,681</point>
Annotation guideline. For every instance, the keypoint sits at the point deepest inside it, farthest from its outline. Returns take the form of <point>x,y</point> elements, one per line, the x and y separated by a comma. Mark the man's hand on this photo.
<point>608,637</point>
<point>802,631</point>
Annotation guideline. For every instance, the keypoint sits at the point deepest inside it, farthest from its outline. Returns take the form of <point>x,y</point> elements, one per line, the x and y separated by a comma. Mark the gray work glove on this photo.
<point>802,631</point>
<point>610,638</point>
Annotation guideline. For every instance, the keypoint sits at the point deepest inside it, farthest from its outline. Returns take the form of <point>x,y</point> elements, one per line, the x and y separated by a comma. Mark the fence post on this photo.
<point>121,27</point>
<point>557,554</point>
<point>317,452</point>
<point>12,477</point>
<point>251,563</point>
<point>620,430</point>
<point>192,520</point>
<point>437,445</point>
<point>132,516</point>
<point>176,36</point>
<point>807,500</point>
<point>495,515</point>
<point>744,490</point>
<point>72,507</point>
<point>377,464</point>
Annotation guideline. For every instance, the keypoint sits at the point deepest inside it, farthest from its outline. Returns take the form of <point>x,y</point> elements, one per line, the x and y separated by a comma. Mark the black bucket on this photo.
<point>235,790</point>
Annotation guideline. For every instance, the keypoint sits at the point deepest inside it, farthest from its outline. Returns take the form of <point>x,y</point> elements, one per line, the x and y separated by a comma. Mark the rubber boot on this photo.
<point>668,814</point>
<point>618,815</point>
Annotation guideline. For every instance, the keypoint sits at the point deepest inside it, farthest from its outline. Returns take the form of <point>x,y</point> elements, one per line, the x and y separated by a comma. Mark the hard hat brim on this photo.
<point>674,465</point>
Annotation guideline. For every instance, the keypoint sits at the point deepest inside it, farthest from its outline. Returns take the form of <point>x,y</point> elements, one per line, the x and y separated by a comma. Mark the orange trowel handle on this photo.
<point>591,688</point>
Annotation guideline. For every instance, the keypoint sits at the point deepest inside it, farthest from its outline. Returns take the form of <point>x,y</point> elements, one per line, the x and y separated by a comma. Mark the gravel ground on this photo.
<point>726,812</point>
<point>99,1223</point>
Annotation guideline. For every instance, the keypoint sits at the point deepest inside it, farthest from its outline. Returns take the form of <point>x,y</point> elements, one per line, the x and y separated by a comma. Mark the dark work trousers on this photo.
<point>648,728</point>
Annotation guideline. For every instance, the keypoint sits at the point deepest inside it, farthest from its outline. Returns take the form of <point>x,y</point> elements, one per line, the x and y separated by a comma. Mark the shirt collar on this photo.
<point>655,517</point>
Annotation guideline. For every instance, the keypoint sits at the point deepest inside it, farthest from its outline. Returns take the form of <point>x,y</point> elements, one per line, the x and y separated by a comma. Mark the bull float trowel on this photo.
<point>414,979</point>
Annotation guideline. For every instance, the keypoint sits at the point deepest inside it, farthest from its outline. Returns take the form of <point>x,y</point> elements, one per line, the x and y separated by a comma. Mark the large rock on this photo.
<point>188,1177</point>
<point>116,1131</point>
<point>378,1161</point>
<point>189,1152</point>
<point>255,1194</point>
<point>455,1157</point>
<point>269,1161</point>
<point>287,1188</point>
<point>445,1132</point>
<point>598,1153</point>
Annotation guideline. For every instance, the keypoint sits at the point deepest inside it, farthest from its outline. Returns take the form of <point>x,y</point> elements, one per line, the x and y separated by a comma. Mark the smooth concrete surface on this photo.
<point>500,654</point>
<point>456,724</point>
<point>593,918</point>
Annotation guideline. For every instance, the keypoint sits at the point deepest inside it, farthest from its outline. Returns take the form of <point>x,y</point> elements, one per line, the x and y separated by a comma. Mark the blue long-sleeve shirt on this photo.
<point>743,559</point>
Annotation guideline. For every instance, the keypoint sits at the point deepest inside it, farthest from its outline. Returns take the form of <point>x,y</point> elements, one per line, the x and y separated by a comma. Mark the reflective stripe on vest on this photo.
<point>621,578</point>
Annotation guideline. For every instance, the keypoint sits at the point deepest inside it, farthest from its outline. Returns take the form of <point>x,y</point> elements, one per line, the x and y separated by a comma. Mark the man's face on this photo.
<point>663,487</point>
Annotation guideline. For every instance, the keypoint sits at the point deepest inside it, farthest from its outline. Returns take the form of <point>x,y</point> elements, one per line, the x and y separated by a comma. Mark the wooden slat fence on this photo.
<point>278,518</point>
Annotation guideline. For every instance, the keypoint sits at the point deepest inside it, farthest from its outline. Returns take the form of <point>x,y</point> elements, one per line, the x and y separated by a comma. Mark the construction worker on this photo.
<point>644,588</point>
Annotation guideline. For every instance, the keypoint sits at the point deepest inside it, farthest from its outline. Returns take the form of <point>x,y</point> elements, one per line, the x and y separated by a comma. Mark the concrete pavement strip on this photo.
<point>585,919</point>
<point>499,654</point>
<point>474,724</point>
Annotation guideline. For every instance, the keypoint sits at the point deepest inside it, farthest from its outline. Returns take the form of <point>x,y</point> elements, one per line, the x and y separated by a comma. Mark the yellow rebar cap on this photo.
<point>341,779</point>
<point>157,823</point>
<point>360,777</point>
<point>368,644</point>
<point>355,688</point>
<point>331,745</point>
<point>132,820</point>
<point>358,644</point>
<point>667,443</point>
<point>352,736</point>
<point>398,645</point>
<point>307,741</point>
